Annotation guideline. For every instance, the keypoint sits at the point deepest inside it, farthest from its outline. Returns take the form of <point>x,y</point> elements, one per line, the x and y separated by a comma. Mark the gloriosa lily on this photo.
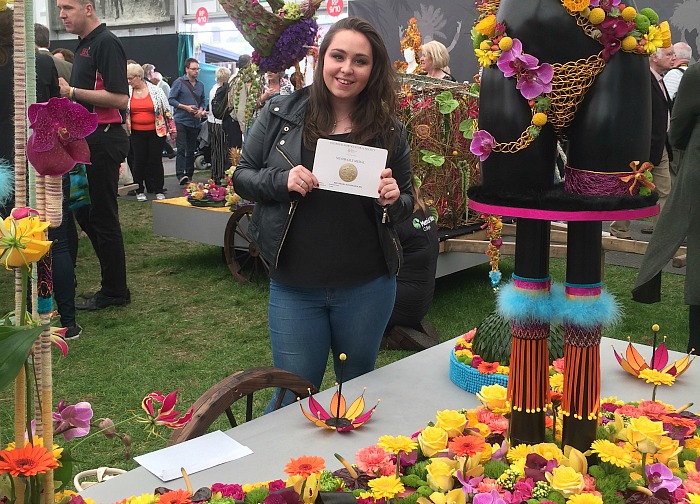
<point>22,241</point>
<point>167,415</point>
<point>345,419</point>
<point>634,363</point>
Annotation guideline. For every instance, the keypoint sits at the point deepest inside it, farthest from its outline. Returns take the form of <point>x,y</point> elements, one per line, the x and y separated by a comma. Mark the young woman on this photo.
<point>333,256</point>
<point>435,60</point>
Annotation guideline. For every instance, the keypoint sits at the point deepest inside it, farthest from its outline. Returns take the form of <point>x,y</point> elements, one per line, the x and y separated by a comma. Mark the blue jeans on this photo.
<point>305,323</point>
<point>186,143</point>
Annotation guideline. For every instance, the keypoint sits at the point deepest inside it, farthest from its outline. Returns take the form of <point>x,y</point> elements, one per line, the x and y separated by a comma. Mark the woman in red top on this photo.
<point>146,118</point>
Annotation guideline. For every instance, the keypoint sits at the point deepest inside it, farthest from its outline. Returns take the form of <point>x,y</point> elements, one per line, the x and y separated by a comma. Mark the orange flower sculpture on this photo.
<point>345,418</point>
<point>634,363</point>
<point>28,461</point>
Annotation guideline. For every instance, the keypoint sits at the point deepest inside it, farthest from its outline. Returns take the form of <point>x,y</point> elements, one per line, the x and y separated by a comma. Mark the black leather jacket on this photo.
<point>273,147</point>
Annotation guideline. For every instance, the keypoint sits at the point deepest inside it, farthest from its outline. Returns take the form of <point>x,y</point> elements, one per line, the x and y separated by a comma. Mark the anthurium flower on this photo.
<point>73,420</point>
<point>58,143</point>
<point>167,415</point>
<point>22,241</point>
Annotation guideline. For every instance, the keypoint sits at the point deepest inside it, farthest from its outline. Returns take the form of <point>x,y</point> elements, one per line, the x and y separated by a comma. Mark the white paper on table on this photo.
<point>349,168</point>
<point>194,455</point>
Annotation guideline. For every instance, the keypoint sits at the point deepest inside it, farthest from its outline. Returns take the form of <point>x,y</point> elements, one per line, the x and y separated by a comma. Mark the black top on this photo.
<point>100,63</point>
<point>332,241</point>
<point>46,78</point>
<point>415,282</point>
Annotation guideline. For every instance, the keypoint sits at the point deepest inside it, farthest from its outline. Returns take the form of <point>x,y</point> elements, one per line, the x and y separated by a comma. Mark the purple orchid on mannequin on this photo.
<point>482,144</point>
<point>533,79</point>
<point>58,140</point>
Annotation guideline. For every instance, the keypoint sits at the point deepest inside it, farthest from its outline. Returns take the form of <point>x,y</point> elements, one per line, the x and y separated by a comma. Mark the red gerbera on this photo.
<point>305,466</point>
<point>466,445</point>
<point>27,461</point>
<point>174,497</point>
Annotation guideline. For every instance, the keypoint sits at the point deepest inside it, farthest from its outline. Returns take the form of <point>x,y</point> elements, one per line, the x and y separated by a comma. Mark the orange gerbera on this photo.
<point>305,466</point>
<point>466,445</point>
<point>488,367</point>
<point>27,461</point>
<point>174,497</point>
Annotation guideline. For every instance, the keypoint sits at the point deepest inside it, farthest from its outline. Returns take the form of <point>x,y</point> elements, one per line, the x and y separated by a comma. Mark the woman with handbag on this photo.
<point>147,119</point>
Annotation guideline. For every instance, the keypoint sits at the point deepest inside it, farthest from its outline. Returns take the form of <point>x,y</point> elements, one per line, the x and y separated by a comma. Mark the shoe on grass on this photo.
<point>73,332</point>
<point>100,301</point>
<point>160,196</point>
<point>184,179</point>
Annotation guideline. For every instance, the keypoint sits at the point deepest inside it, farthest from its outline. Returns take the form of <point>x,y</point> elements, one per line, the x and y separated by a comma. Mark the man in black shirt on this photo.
<point>98,82</point>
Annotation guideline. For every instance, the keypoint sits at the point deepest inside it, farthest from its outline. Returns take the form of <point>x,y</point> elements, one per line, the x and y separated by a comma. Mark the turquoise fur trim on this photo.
<point>603,310</point>
<point>44,305</point>
<point>7,181</point>
<point>524,306</point>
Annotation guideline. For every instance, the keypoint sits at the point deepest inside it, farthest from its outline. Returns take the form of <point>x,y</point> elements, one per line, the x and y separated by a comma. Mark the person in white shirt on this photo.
<point>672,79</point>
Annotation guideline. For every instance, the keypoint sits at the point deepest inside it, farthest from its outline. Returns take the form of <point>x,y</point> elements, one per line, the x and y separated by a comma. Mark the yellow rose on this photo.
<point>494,397</point>
<point>22,241</point>
<point>644,434</point>
<point>456,496</point>
<point>565,480</point>
<point>432,440</point>
<point>487,26</point>
<point>550,451</point>
<point>668,449</point>
<point>440,476</point>
<point>452,421</point>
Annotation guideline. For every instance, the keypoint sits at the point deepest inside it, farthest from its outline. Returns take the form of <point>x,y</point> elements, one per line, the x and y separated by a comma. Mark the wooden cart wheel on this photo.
<point>241,253</point>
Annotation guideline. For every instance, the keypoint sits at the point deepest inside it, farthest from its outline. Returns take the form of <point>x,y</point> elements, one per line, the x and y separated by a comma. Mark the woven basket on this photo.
<point>470,379</point>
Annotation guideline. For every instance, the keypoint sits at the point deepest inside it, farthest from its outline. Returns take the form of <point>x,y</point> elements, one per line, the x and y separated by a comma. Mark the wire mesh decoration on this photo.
<point>437,115</point>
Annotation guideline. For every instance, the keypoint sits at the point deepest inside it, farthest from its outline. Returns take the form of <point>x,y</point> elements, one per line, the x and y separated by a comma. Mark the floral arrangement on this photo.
<point>613,24</point>
<point>412,40</point>
<point>280,37</point>
<point>646,452</point>
<point>438,120</point>
<point>206,194</point>
<point>22,468</point>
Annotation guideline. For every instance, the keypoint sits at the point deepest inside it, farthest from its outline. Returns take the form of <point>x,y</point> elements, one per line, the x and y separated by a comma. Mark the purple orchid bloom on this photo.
<point>501,453</point>
<point>535,467</point>
<point>72,421</point>
<point>536,81</point>
<point>612,31</point>
<point>58,143</point>
<point>488,498</point>
<point>659,476</point>
<point>468,484</point>
<point>514,61</point>
<point>482,144</point>
<point>606,5</point>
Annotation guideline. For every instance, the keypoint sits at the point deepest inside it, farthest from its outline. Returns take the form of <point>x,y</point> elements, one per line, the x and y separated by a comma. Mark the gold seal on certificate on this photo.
<point>348,172</point>
<point>349,168</point>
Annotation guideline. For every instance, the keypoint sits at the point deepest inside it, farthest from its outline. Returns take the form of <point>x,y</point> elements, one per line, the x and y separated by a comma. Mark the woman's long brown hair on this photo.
<point>372,119</point>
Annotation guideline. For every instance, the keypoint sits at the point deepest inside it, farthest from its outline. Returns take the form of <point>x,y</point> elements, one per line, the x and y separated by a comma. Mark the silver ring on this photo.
<point>303,182</point>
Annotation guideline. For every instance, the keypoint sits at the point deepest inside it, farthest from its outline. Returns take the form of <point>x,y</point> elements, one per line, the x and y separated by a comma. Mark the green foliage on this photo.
<point>650,14</point>
<point>256,495</point>
<point>425,491</point>
<point>556,497</point>
<point>446,102</point>
<point>432,158</point>
<point>418,469</point>
<point>542,103</point>
<point>603,432</point>
<point>15,343</point>
<point>409,499</point>
<point>413,481</point>
<point>494,468</point>
<point>477,38</point>
<point>329,483</point>
<point>467,128</point>
<point>222,500</point>
<point>687,454</point>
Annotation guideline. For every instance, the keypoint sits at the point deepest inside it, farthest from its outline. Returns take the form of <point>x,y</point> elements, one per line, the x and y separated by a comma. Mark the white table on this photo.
<point>411,390</point>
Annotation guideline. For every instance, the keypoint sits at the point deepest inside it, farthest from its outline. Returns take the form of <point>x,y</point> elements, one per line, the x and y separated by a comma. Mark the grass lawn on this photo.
<point>190,325</point>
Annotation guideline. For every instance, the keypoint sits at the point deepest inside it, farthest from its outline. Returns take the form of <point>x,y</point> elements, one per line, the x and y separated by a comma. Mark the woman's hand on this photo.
<point>389,190</point>
<point>301,180</point>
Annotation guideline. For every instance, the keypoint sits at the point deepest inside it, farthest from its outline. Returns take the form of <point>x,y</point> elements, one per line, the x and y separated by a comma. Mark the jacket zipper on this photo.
<point>290,215</point>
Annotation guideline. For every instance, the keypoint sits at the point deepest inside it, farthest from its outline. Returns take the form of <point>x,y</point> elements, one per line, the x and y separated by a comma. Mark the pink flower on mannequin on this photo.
<point>482,144</point>
<point>58,140</point>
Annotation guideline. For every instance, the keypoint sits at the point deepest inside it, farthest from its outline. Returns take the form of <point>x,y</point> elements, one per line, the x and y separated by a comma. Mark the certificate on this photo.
<point>349,168</point>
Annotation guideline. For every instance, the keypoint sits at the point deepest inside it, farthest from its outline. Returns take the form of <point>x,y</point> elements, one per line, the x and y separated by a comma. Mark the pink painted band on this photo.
<point>532,286</point>
<point>583,291</point>
<point>564,215</point>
